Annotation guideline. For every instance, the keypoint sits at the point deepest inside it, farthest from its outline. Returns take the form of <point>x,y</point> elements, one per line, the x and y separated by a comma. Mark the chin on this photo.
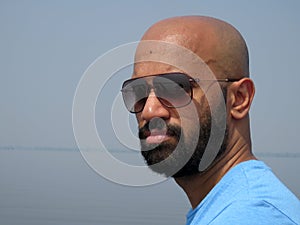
<point>161,160</point>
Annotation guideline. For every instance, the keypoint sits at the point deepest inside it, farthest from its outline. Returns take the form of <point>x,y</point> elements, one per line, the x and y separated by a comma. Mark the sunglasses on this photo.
<point>173,90</point>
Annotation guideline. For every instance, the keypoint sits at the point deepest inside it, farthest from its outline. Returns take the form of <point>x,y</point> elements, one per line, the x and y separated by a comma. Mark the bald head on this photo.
<point>216,42</point>
<point>202,48</point>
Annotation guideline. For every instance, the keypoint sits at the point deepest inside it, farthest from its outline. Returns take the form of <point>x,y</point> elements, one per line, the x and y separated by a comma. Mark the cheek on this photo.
<point>189,120</point>
<point>196,115</point>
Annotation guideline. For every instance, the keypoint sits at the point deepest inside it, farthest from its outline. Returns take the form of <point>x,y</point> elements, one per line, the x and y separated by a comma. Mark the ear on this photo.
<point>241,96</point>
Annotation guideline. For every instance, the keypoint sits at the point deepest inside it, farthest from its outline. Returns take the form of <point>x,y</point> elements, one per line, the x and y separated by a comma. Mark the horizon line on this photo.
<point>49,148</point>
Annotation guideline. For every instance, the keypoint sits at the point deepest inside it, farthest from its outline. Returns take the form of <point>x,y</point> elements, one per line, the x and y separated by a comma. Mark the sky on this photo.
<point>46,46</point>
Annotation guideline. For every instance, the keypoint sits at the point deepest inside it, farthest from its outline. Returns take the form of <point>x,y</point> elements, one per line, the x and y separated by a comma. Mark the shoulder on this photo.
<point>254,212</point>
<point>249,194</point>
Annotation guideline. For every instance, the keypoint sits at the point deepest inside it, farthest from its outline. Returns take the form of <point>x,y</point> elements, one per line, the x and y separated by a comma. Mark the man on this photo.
<point>181,119</point>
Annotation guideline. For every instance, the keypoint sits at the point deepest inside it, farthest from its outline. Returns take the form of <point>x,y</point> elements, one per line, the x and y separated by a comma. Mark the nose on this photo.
<point>154,108</point>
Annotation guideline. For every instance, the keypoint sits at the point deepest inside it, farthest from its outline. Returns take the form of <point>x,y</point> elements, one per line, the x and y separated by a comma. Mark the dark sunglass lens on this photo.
<point>135,93</point>
<point>173,90</point>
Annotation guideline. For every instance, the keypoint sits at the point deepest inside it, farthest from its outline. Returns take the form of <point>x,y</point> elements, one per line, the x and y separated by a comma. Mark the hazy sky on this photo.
<point>47,45</point>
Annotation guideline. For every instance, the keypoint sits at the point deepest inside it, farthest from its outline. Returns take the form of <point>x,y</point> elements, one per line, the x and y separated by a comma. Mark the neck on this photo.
<point>198,186</point>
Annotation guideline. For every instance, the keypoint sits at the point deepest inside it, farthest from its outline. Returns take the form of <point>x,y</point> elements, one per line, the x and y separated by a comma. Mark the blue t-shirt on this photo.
<point>248,194</point>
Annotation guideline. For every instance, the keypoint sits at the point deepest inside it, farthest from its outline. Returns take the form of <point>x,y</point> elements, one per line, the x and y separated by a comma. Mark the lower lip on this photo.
<point>156,139</point>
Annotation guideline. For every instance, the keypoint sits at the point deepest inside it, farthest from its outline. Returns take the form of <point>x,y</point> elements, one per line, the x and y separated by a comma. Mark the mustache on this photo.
<point>159,124</point>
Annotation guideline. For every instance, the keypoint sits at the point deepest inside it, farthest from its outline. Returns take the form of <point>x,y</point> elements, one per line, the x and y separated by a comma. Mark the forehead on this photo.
<point>144,69</point>
<point>160,57</point>
<point>157,57</point>
<point>152,69</point>
<point>174,78</point>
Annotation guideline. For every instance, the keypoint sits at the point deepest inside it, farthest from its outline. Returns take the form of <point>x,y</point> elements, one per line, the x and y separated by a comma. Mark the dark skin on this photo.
<point>222,48</point>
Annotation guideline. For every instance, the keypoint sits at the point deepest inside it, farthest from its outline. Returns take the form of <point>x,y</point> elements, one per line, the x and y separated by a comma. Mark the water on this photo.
<point>57,187</point>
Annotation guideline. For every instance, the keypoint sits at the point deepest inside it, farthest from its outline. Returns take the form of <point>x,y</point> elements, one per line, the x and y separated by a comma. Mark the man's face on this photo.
<point>163,129</point>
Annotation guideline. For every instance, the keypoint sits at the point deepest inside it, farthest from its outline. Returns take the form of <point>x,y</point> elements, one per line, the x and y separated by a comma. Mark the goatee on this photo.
<point>186,159</point>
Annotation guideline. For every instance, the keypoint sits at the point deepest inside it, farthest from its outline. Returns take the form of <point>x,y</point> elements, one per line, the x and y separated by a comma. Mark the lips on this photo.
<point>156,136</point>
<point>158,131</point>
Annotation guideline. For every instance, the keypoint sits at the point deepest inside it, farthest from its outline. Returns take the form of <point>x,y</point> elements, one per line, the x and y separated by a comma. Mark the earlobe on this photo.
<point>242,96</point>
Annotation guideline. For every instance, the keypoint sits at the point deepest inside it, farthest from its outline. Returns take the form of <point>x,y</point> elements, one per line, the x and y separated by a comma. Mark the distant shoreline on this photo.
<point>75,149</point>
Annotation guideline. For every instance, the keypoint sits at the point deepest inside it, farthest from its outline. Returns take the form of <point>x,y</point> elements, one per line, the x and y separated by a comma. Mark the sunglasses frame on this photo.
<point>190,79</point>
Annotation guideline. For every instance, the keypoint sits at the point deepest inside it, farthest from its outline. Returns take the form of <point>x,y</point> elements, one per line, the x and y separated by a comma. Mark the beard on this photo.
<point>186,159</point>
<point>155,155</point>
